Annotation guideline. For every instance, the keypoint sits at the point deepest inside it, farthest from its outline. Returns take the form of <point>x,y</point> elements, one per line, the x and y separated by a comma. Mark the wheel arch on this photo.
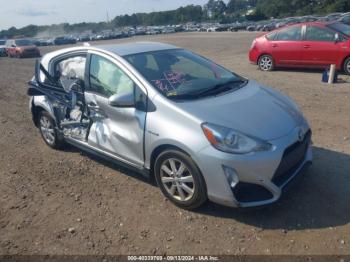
<point>39,104</point>
<point>265,53</point>
<point>35,114</point>
<point>158,150</point>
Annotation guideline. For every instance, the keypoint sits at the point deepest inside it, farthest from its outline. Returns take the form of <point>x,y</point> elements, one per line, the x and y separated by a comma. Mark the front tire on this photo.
<point>347,66</point>
<point>48,131</point>
<point>180,179</point>
<point>266,63</point>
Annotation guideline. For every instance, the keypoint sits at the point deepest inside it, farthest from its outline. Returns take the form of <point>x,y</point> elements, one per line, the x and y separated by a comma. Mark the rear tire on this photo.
<point>347,66</point>
<point>180,180</point>
<point>266,63</point>
<point>47,127</point>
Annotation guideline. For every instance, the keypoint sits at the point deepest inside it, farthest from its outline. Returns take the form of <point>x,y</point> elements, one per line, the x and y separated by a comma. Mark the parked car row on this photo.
<point>28,47</point>
<point>272,24</point>
<point>278,23</point>
<point>106,35</point>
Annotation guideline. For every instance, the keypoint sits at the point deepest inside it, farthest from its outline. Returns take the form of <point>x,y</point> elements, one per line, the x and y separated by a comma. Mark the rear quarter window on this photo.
<point>292,33</point>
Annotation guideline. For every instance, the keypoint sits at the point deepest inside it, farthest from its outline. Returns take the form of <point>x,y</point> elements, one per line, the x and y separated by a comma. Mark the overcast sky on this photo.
<point>40,12</point>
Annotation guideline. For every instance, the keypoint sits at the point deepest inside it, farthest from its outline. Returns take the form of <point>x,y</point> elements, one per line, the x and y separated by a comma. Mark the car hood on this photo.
<point>253,110</point>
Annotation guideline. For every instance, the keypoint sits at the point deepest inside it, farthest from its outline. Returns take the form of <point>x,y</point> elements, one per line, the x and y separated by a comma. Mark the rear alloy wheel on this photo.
<point>266,63</point>
<point>47,127</point>
<point>179,179</point>
<point>347,66</point>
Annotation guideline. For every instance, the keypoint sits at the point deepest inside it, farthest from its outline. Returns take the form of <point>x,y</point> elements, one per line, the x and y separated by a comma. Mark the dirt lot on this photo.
<point>43,192</point>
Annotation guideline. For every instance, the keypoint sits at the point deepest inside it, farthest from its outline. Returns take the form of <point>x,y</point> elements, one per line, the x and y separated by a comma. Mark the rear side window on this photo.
<point>315,33</point>
<point>289,34</point>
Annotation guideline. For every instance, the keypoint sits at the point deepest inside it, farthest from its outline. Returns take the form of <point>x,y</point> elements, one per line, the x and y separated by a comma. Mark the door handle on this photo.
<point>274,45</point>
<point>306,46</point>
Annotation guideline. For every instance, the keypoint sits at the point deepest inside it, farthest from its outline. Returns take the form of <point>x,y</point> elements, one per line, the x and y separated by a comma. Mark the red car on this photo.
<point>21,48</point>
<point>314,45</point>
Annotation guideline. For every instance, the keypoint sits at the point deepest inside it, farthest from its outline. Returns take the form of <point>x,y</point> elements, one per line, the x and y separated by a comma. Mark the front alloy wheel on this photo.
<point>180,179</point>
<point>266,63</point>
<point>177,179</point>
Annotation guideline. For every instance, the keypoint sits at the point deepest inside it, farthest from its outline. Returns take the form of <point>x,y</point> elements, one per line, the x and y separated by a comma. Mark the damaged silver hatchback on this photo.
<point>200,130</point>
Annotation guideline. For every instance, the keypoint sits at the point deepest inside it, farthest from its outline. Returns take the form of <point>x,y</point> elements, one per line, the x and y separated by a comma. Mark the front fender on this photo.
<point>165,143</point>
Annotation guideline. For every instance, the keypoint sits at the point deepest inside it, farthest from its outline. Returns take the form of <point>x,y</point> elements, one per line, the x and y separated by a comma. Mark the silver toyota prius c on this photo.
<point>201,131</point>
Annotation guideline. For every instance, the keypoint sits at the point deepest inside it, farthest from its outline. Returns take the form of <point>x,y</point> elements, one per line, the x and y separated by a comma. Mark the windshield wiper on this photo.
<point>181,96</point>
<point>217,89</point>
<point>220,88</point>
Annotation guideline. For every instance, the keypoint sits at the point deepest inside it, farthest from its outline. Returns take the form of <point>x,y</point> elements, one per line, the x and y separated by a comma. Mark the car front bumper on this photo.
<point>253,55</point>
<point>262,176</point>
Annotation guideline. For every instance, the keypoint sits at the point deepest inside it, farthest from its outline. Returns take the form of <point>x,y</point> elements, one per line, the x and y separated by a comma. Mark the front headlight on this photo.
<point>231,141</point>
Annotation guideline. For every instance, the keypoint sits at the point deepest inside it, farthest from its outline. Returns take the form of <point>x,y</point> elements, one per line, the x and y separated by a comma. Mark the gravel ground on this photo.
<point>65,202</point>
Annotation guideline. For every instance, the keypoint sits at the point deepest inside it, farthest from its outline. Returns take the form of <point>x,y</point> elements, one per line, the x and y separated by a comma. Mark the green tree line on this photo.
<point>214,10</point>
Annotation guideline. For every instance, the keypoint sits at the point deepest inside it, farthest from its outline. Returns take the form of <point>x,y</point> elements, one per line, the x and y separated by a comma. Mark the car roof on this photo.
<point>135,48</point>
<point>319,23</point>
<point>316,23</point>
<point>124,49</point>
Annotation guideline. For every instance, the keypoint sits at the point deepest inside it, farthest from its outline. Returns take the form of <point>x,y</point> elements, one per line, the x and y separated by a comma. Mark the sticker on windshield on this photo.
<point>171,81</point>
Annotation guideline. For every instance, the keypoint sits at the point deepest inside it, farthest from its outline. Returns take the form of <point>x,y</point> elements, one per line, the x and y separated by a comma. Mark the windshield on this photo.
<point>24,42</point>
<point>2,42</point>
<point>179,73</point>
<point>340,27</point>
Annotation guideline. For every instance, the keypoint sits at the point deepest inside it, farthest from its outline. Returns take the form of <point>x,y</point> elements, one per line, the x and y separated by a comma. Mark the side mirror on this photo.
<point>122,100</point>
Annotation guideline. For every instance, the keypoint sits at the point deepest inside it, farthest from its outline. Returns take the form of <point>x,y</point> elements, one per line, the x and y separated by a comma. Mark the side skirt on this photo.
<point>109,157</point>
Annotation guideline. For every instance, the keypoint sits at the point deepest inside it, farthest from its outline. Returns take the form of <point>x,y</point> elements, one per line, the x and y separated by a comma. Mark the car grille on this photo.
<point>292,158</point>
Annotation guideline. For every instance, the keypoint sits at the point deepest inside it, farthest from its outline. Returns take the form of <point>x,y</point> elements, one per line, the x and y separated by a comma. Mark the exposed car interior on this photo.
<point>69,73</point>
